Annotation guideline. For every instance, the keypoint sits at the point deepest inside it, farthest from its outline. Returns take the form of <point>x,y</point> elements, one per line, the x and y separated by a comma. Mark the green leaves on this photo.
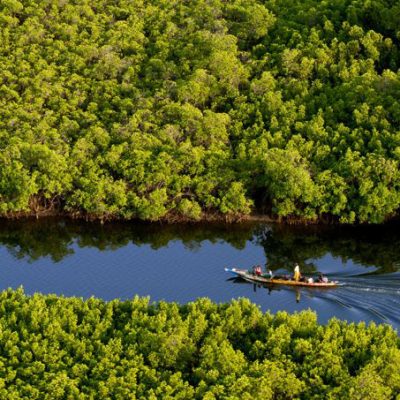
<point>55,347</point>
<point>126,110</point>
<point>234,200</point>
<point>288,181</point>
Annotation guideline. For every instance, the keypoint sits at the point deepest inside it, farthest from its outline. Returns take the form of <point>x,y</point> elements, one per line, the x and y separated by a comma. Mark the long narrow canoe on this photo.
<point>248,276</point>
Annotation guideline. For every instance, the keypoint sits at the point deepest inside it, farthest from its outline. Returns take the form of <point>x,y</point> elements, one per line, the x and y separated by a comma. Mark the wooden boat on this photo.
<point>249,276</point>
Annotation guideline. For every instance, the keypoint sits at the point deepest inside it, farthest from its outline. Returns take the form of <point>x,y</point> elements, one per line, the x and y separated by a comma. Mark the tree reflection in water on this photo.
<point>377,246</point>
<point>283,245</point>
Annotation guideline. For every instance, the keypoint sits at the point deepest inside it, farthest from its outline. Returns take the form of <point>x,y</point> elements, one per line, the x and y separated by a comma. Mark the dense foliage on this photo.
<point>58,348</point>
<point>146,108</point>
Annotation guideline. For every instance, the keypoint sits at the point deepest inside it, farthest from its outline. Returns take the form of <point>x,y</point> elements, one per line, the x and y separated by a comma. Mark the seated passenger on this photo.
<point>257,270</point>
<point>322,278</point>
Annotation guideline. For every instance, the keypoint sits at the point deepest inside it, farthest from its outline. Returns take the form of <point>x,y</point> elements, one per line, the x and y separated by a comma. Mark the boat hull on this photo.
<point>242,273</point>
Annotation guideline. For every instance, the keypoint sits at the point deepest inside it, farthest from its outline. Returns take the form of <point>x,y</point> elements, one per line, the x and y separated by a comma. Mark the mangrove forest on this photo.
<point>180,109</point>
<point>67,348</point>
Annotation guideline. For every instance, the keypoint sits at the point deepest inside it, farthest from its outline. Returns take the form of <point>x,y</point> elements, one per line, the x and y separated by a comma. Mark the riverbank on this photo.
<point>173,218</point>
<point>169,218</point>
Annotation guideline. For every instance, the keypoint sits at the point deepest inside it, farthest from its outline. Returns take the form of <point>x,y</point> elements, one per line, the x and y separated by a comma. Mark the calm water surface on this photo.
<point>183,262</point>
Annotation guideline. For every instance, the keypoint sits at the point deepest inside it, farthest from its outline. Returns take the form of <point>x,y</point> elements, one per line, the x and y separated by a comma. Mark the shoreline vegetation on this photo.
<point>170,218</point>
<point>173,110</point>
<point>174,218</point>
<point>56,347</point>
<point>177,218</point>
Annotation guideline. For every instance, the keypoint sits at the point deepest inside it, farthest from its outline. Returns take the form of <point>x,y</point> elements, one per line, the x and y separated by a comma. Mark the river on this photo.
<point>183,262</point>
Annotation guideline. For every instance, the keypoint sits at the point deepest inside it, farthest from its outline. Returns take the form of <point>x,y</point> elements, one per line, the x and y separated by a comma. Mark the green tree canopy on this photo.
<point>149,109</point>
